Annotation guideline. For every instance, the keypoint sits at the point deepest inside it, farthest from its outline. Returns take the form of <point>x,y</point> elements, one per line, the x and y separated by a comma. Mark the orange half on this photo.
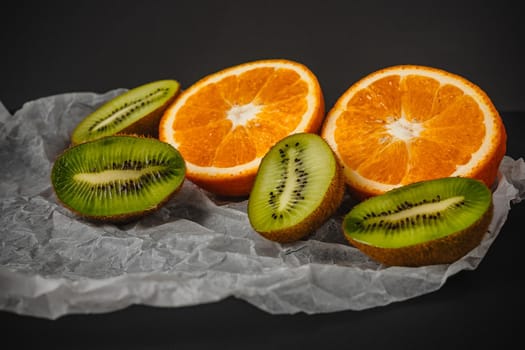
<point>226,122</point>
<point>410,123</point>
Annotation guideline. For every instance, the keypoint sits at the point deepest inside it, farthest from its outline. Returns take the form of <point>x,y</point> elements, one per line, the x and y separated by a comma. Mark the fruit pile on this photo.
<point>418,147</point>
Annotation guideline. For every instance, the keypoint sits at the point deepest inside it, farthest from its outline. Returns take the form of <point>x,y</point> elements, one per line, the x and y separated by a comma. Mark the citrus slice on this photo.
<point>226,122</point>
<point>410,123</point>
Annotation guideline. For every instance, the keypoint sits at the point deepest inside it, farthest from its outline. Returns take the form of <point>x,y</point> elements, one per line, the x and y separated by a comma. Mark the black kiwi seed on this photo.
<point>135,176</point>
<point>443,220</point>
<point>286,202</point>
<point>136,112</point>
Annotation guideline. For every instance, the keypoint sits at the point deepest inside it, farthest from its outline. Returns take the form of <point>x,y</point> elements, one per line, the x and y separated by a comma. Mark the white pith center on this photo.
<point>107,176</point>
<point>113,117</point>
<point>286,196</point>
<point>403,129</point>
<point>240,115</point>
<point>421,209</point>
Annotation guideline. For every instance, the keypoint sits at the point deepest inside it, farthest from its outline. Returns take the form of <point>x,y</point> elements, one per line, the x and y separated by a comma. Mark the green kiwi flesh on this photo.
<point>298,186</point>
<point>425,223</point>
<point>117,178</point>
<point>137,112</point>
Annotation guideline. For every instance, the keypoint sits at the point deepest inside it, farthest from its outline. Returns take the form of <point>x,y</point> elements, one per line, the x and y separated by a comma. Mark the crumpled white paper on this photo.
<point>194,250</point>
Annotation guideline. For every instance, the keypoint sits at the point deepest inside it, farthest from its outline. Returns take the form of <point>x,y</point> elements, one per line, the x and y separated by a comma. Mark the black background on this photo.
<point>59,47</point>
<point>52,47</point>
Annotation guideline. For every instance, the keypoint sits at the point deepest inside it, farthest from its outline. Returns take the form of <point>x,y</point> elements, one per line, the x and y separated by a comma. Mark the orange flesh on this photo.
<point>207,137</point>
<point>367,144</point>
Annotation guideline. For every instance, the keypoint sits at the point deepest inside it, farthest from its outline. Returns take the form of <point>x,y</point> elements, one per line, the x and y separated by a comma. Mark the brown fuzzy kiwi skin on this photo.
<point>330,203</point>
<point>445,250</point>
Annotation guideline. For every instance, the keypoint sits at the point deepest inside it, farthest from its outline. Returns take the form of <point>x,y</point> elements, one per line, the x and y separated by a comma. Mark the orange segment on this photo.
<point>404,124</point>
<point>282,85</point>
<point>191,116</point>
<point>226,122</point>
<point>242,89</point>
<point>235,148</point>
<point>417,96</point>
<point>379,100</point>
<point>378,165</point>
<point>196,148</point>
<point>263,132</point>
<point>445,96</point>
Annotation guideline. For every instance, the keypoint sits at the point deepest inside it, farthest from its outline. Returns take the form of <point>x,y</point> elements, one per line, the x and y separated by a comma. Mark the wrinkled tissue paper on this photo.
<point>196,249</point>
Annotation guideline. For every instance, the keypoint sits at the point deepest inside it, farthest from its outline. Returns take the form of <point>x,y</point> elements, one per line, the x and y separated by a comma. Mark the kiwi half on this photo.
<point>298,186</point>
<point>425,223</point>
<point>136,112</point>
<point>117,178</point>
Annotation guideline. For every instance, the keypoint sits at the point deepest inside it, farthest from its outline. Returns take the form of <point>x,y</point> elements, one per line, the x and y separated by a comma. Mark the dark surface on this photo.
<point>55,47</point>
<point>52,47</point>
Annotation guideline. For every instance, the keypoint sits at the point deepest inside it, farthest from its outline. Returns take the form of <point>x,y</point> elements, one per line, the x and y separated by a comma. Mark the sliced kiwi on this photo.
<point>298,186</point>
<point>136,112</point>
<point>117,178</point>
<point>425,223</point>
